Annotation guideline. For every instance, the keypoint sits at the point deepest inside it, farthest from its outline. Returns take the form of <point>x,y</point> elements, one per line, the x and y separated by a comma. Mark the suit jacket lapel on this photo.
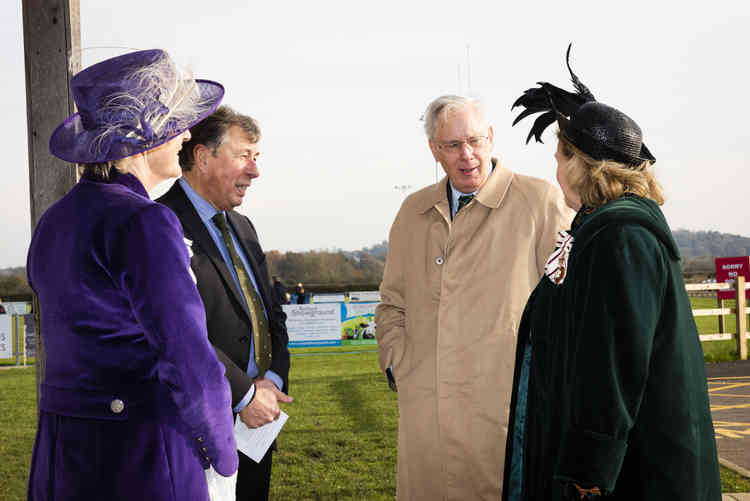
<point>196,231</point>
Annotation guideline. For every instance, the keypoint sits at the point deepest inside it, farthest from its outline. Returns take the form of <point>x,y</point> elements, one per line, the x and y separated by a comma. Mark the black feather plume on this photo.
<point>542,122</point>
<point>552,101</point>
<point>582,89</point>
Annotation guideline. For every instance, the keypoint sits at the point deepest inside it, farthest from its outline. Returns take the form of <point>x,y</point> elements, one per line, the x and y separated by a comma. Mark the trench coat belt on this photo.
<point>142,401</point>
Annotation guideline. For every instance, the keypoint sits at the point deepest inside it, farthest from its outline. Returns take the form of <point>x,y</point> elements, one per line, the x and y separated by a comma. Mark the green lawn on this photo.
<point>17,429</point>
<point>710,325</point>
<point>12,361</point>
<point>339,442</point>
<point>733,482</point>
<point>717,351</point>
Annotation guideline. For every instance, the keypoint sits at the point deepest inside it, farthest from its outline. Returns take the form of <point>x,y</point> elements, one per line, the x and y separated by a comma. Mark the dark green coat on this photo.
<point>617,394</point>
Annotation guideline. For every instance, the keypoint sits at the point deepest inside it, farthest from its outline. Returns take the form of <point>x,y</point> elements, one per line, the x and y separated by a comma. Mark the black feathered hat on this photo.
<point>600,131</point>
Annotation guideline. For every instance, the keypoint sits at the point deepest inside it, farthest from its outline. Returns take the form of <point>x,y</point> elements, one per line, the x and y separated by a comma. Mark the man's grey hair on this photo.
<point>212,131</point>
<point>440,107</point>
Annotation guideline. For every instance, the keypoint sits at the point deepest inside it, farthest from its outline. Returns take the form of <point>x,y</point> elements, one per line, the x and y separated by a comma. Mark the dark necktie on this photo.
<point>463,200</point>
<point>261,333</point>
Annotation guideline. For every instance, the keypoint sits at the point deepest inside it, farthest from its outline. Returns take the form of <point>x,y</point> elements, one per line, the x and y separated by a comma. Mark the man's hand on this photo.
<point>391,379</point>
<point>265,405</point>
<point>588,493</point>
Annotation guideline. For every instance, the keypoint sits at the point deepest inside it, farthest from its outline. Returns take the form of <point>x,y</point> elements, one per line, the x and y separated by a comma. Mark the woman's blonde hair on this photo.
<point>102,170</point>
<point>97,171</point>
<point>600,181</point>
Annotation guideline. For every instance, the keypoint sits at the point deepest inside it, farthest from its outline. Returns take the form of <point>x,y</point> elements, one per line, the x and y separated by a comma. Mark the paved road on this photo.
<point>729,393</point>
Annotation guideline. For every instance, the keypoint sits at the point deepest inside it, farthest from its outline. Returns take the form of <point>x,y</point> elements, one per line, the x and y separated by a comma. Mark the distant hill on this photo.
<point>365,266</point>
<point>330,268</point>
<point>13,282</point>
<point>711,243</point>
<point>699,248</point>
<point>18,270</point>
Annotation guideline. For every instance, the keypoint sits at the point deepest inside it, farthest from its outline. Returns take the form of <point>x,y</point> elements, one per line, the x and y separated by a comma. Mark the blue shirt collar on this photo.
<point>204,208</point>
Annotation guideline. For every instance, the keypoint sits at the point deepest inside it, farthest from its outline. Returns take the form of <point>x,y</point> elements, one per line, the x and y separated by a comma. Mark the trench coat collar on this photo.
<point>490,195</point>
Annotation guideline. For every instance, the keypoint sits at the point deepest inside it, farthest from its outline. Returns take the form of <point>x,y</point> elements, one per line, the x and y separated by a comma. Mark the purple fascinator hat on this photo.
<point>130,104</point>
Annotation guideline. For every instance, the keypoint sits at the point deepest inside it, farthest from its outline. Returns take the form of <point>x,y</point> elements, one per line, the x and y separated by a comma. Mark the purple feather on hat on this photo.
<point>130,104</point>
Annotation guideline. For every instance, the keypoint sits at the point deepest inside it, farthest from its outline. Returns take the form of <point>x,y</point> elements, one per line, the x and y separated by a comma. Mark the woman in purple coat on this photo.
<point>134,403</point>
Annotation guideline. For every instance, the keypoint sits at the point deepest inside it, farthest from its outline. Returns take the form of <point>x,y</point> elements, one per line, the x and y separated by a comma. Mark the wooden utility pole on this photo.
<point>52,54</point>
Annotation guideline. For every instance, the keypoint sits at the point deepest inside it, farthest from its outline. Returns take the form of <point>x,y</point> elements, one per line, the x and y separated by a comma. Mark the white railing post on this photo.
<point>23,344</point>
<point>741,318</point>
<point>17,340</point>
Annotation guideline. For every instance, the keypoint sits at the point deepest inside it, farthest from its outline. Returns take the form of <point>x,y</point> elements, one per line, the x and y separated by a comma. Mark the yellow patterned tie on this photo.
<point>261,333</point>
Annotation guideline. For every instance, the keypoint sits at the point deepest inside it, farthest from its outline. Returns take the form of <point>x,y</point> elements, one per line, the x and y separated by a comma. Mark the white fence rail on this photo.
<point>740,313</point>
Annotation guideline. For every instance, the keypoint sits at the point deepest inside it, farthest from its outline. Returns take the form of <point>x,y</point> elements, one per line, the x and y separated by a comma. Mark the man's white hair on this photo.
<point>440,107</point>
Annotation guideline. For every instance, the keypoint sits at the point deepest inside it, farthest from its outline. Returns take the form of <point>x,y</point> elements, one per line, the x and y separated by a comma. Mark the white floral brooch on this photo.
<point>557,265</point>
<point>189,245</point>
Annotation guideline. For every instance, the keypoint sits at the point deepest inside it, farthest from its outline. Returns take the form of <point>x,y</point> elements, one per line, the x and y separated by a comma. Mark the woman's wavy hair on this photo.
<point>600,181</point>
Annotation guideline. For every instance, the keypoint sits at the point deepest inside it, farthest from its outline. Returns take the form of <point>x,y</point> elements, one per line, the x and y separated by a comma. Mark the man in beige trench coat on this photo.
<point>456,279</point>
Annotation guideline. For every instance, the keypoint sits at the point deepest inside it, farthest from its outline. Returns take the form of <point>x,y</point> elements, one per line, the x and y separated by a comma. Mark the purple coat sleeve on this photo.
<point>153,264</point>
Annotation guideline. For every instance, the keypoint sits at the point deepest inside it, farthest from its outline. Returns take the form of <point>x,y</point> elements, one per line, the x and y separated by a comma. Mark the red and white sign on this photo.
<point>728,269</point>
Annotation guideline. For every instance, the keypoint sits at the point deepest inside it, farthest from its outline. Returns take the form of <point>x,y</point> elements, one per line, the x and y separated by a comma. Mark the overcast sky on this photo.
<point>339,88</point>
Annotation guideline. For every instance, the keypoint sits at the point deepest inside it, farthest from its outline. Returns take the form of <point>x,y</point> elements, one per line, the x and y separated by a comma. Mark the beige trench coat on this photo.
<point>451,301</point>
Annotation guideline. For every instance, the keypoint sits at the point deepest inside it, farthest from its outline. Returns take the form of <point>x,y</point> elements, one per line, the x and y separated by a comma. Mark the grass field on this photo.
<point>17,429</point>
<point>339,442</point>
<point>717,351</point>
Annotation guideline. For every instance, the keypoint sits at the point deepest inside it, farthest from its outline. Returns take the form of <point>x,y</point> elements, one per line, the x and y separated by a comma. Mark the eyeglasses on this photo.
<point>456,147</point>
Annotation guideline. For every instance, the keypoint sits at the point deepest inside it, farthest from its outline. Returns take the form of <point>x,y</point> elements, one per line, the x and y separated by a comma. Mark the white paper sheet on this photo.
<point>254,442</point>
<point>220,488</point>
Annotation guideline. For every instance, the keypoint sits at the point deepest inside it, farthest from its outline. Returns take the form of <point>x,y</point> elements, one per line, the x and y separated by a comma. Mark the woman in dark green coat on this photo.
<point>610,397</point>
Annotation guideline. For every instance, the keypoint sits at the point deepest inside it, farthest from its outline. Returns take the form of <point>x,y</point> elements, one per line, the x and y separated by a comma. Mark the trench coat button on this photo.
<point>117,406</point>
<point>439,260</point>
